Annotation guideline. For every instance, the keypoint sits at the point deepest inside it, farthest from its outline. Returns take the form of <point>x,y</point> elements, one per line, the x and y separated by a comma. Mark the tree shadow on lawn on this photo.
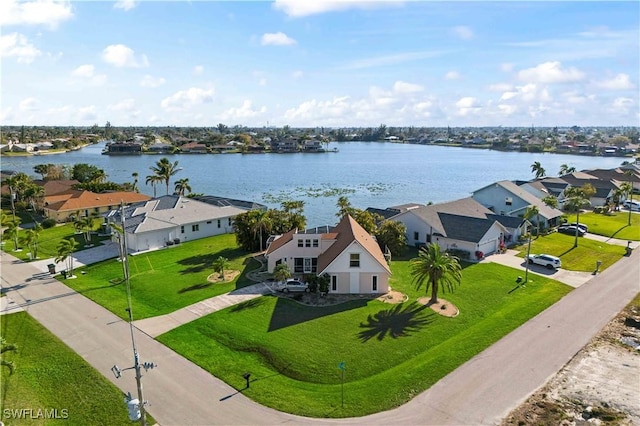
<point>200,286</point>
<point>203,262</point>
<point>253,303</point>
<point>396,322</point>
<point>620,230</point>
<point>287,312</point>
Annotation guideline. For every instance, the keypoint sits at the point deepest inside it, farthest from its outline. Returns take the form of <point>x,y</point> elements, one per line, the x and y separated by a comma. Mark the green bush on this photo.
<point>48,223</point>
<point>460,254</point>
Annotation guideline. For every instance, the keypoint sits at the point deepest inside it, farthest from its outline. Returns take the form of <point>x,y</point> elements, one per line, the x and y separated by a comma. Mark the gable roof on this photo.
<point>73,200</point>
<point>170,211</point>
<point>530,199</point>
<point>349,231</point>
<point>463,207</point>
<point>280,241</point>
<point>465,228</point>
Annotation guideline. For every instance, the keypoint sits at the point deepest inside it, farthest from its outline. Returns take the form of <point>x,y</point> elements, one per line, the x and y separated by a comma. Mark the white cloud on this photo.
<point>120,56</point>
<point>528,93</point>
<point>28,104</point>
<point>198,70</point>
<point>622,105</point>
<point>463,32</point>
<point>453,75</point>
<point>16,45</point>
<point>404,87</point>
<point>40,12</point>
<point>125,5</point>
<point>152,82</point>
<point>87,113</point>
<point>87,72</point>
<point>550,72</point>
<point>124,105</point>
<point>277,39</point>
<point>243,112</point>
<point>619,82</point>
<point>507,67</point>
<point>300,8</point>
<point>185,99</point>
<point>500,87</point>
<point>396,59</point>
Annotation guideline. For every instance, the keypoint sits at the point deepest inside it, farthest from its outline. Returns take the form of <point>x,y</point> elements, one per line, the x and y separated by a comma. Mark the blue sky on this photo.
<point>320,63</point>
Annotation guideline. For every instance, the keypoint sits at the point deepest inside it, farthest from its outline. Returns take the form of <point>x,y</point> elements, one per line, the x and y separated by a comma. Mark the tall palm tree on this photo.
<point>165,169</point>
<point>181,186</point>
<point>262,223</point>
<point>11,231</point>
<point>65,251</point>
<point>30,239</point>
<point>566,170</point>
<point>435,270</point>
<point>529,213</point>
<point>344,207</point>
<point>134,187</point>
<point>629,188</point>
<point>537,168</point>
<point>575,199</point>
<point>153,180</point>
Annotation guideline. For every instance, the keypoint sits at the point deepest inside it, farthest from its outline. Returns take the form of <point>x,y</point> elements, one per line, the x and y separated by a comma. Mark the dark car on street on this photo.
<point>571,230</point>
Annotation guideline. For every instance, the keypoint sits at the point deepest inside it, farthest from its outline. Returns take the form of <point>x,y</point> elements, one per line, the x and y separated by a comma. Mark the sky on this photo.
<point>312,63</point>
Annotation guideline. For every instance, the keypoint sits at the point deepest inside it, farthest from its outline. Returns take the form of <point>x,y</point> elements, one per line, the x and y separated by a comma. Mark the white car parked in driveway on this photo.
<point>546,260</point>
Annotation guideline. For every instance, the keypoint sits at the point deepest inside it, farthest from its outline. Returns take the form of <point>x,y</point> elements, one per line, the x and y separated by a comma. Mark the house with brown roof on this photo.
<point>62,206</point>
<point>347,253</point>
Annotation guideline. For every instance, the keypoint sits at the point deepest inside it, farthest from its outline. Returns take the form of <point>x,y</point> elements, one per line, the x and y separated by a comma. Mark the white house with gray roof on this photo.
<point>461,224</point>
<point>173,219</point>
<point>505,198</point>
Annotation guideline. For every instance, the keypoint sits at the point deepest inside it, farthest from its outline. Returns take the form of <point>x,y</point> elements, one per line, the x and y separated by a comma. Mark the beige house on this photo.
<point>61,206</point>
<point>346,252</point>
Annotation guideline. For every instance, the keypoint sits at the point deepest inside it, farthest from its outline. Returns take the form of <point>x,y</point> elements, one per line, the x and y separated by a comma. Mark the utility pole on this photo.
<point>136,411</point>
<point>526,271</point>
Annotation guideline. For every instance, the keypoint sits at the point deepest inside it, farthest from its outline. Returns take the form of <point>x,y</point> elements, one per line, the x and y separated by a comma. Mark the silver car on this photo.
<point>293,285</point>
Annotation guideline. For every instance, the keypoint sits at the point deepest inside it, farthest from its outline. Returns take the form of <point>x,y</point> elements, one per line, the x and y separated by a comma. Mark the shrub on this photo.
<point>460,254</point>
<point>48,223</point>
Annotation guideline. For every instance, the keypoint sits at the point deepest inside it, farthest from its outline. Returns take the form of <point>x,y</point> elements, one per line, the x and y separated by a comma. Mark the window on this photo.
<point>416,236</point>
<point>208,222</point>
<point>195,228</point>
<point>374,283</point>
<point>315,243</point>
<point>300,243</point>
<point>428,238</point>
<point>354,260</point>
<point>229,220</point>
<point>182,229</point>
<point>96,210</point>
<point>307,243</point>
<point>298,265</point>
<point>219,223</point>
<point>334,283</point>
<point>508,201</point>
<point>307,265</point>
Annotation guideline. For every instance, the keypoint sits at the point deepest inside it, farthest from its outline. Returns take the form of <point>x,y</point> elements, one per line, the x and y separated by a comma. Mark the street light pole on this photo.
<point>136,357</point>
<point>526,271</point>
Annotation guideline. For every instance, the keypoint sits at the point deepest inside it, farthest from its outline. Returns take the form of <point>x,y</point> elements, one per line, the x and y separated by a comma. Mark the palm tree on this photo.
<point>566,170</point>
<point>435,269</point>
<point>11,231</point>
<point>550,201</point>
<point>181,186</point>
<point>86,225</point>
<point>529,213</point>
<point>575,199</point>
<point>220,264</point>
<point>42,169</point>
<point>134,187</point>
<point>281,272</point>
<point>629,188</point>
<point>537,168</point>
<point>153,180</point>
<point>65,250</point>
<point>262,223</point>
<point>344,207</point>
<point>30,239</point>
<point>5,347</point>
<point>164,169</point>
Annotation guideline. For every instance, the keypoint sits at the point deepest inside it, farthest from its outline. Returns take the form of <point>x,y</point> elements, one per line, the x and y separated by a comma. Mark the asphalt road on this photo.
<point>482,391</point>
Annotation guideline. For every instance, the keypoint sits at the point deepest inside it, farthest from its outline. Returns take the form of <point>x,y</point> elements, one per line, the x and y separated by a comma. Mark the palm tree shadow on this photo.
<point>618,231</point>
<point>202,262</point>
<point>395,322</point>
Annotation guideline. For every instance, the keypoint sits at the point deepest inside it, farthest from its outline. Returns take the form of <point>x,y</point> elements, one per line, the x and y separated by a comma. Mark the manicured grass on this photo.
<point>165,280</point>
<point>612,225</point>
<point>48,242</point>
<point>581,258</point>
<point>50,376</point>
<point>392,352</point>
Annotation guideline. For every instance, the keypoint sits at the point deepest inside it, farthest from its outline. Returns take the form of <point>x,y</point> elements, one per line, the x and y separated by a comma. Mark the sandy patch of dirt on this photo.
<point>393,297</point>
<point>443,307</point>
<point>598,386</point>
<point>228,276</point>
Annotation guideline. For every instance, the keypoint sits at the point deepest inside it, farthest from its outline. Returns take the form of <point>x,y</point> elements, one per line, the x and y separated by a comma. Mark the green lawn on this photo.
<point>50,376</point>
<point>48,242</point>
<point>165,280</point>
<point>612,225</point>
<point>392,352</point>
<point>581,258</point>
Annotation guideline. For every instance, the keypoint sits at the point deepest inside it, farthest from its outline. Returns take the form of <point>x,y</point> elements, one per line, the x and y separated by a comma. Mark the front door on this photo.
<point>354,283</point>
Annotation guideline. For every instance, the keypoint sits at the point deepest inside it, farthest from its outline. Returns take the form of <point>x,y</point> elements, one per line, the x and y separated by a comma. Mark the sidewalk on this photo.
<point>156,326</point>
